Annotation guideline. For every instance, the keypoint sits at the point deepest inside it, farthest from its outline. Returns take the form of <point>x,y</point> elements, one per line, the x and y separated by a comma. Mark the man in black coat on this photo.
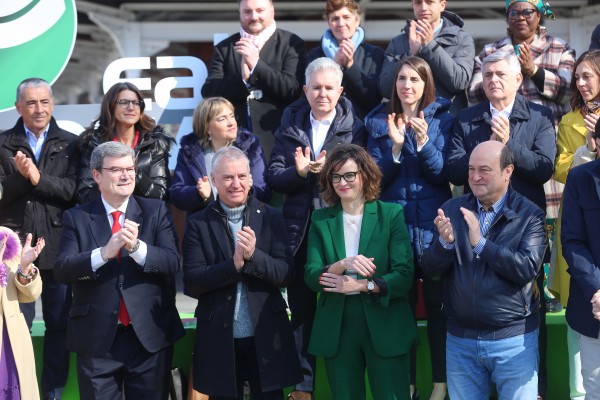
<point>120,255</point>
<point>39,163</point>
<point>236,257</point>
<point>259,70</point>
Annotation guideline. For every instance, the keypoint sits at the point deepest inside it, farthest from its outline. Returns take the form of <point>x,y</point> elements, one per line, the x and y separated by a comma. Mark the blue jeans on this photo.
<point>511,364</point>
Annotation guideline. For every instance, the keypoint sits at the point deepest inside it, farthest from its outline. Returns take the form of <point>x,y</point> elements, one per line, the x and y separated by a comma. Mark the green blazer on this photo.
<point>384,237</point>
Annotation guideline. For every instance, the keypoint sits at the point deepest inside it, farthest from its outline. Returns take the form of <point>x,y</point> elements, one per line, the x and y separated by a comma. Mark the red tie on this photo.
<point>116,227</point>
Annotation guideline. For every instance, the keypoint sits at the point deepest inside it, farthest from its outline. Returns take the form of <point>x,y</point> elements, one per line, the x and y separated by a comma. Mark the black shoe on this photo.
<point>415,395</point>
<point>553,306</point>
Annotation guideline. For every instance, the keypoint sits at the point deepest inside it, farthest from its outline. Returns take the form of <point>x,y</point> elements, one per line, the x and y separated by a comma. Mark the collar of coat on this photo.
<point>520,111</point>
<point>18,139</point>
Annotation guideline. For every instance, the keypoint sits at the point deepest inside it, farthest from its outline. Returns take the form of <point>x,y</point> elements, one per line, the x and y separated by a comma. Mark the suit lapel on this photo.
<point>267,52</point>
<point>368,225</point>
<point>221,233</point>
<point>99,225</point>
<point>255,216</point>
<point>336,229</point>
<point>134,212</point>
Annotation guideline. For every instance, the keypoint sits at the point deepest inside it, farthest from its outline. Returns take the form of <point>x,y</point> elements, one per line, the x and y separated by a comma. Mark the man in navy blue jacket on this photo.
<point>489,251</point>
<point>524,127</point>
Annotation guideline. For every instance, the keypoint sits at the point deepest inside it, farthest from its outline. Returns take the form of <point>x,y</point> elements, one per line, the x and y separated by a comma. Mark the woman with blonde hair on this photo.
<point>215,126</point>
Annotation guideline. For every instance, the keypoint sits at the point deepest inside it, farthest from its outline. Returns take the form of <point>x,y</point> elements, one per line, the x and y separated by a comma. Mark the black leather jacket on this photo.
<point>152,162</point>
<point>497,288</point>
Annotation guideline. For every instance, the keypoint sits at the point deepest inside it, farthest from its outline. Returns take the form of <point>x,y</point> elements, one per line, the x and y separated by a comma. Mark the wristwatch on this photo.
<point>135,247</point>
<point>370,286</point>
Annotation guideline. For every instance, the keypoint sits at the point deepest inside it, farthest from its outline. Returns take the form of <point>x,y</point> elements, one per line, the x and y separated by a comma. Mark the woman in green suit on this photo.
<point>360,262</point>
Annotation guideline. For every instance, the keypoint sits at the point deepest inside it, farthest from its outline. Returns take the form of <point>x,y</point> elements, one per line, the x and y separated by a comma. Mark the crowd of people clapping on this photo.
<point>356,178</point>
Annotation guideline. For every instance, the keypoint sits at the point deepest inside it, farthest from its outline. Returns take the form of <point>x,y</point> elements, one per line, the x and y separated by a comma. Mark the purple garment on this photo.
<point>9,378</point>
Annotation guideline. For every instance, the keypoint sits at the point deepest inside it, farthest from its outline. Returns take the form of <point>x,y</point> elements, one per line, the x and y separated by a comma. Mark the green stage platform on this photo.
<point>557,363</point>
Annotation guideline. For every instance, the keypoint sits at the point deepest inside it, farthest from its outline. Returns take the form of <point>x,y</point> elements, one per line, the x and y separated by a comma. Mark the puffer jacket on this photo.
<point>302,194</point>
<point>152,160</point>
<point>495,290</point>
<point>191,166</point>
<point>450,55</point>
<point>417,181</point>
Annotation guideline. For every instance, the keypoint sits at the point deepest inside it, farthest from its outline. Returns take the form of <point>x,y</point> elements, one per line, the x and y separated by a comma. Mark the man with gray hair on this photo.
<point>524,127</point>
<point>235,260</point>
<point>119,254</point>
<point>307,133</point>
<point>39,164</point>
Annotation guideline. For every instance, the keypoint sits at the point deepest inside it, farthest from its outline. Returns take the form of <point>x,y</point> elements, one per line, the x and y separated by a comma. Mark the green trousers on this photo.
<point>388,376</point>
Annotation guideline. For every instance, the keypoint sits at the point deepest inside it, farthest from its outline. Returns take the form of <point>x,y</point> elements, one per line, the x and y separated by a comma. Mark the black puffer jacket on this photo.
<point>302,194</point>
<point>152,161</point>
<point>497,288</point>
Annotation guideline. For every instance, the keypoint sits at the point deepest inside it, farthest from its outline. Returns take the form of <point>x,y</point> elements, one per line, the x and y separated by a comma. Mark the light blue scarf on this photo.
<point>330,46</point>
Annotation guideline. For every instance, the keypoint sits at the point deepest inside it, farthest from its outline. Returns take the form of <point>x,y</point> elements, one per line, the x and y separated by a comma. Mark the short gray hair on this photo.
<point>323,64</point>
<point>510,58</point>
<point>32,82</point>
<point>109,149</point>
<point>228,153</point>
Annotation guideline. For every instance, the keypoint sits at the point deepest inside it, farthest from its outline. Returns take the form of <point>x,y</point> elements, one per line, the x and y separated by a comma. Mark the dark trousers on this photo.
<point>247,369</point>
<point>126,369</point>
<point>436,327</point>
<point>56,302</point>
<point>303,304</point>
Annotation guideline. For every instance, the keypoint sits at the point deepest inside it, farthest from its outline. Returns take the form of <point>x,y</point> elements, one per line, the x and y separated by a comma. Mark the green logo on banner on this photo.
<point>36,40</point>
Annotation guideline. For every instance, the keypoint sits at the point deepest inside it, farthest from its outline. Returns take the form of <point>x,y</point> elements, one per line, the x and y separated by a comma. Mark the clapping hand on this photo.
<point>473,223</point>
<point>245,247</point>
<point>526,60</point>
<point>596,305</point>
<point>396,131</point>
<point>203,186</point>
<point>29,254</point>
<point>420,126</point>
<point>345,54</point>
<point>27,168</point>
<point>249,52</point>
<point>444,227</point>
<point>500,129</point>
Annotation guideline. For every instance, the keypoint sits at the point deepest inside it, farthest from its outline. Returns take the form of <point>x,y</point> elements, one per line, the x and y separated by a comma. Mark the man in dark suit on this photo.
<point>259,70</point>
<point>123,319</point>
<point>236,257</point>
<point>39,163</point>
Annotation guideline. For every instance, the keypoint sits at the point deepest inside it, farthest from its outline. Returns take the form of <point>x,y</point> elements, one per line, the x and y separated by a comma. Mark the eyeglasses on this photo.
<point>125,103</point>
<point>348,177</point>
<point>116,171</point>
<point>527,13</point>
